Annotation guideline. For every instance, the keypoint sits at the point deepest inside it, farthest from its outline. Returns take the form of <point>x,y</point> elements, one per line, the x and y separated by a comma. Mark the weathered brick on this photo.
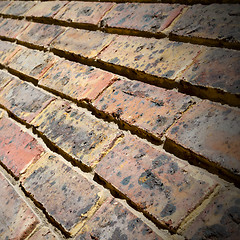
<point>24,100</point>
<point>76,80</point>
<point>215,68</point>
<point>18,8</point>
<point>40,34</point>
<point>5,78</point>
<point>7,51</point>
<point>32,63</point>
<point>211,131</point>
<point>82,42</point>
<point>147,107</point>
<point>158,57</point>
<point>45,9</point>
<point>69,199</point>
<point>157,182</point>
<point>3,5</point>
<point>43,233</point>
<point>148,17</point>
<point>214,21</point>
<point>17,219</point>
<point>18,149</point>
<point>76,131</point>
<point>114,221</point>
<point>11,27</point>
<point>220,219</point>
<point>84,12</point>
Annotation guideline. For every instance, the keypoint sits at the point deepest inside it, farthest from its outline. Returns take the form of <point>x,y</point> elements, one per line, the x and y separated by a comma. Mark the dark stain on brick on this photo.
<point>117,234</point>
<point>168,210</point>
<point>126,180</point>
<point>135,223</point>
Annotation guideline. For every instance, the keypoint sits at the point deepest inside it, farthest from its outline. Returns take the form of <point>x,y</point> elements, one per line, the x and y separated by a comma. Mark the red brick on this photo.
<point>7,51</point>
<point>114,221</point>
<point>84,12</point>
<point>158,57</point>
<point>220,219</point>
<point>147,107</point>
<point>76,80</point>
<point>17,219</point>
<point>18,8</point>
<point>32,63</point>
<point>148,17</point>
<point>158,183</point>
<point>40,34</point>
<point>215,21</point>
<point>45,9</point>
<point>24,100</point>
<point>43,233</point>
<point>5,78</point>
<point>215,68</point>
<point>67,199</point>
<point>76,131</point>
<point>18,149</point>
<point>11,27</point>
<point>211,131</point>
<point>82,42</point>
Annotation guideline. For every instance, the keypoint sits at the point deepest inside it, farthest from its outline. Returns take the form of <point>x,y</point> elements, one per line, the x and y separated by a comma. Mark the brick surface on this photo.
<point>220,220</point>
<point>67,199</point>
<point>7,50</point>
<point>157,182</point>
<point>142,105</point>
<point>114,221</point>
<point>17,220</point>
<point>212,131</point>
<point>18,149</point>
<point>18,8</point>
<point>82,42</point>
<point>76,80</point>
<point>215,21</point>
<point>158,57</point>
<point>146,17</point>
<point>3,5</point>
<point>5,78</point>
<point>76,131</point>
<point>215,68</point>
<point>32,63</point>
<point>44,234</point>
<point>45,9</point>
<point>24,100</point>
<point>11,27</point>
<point>40,34</point>
<point>84,12</point>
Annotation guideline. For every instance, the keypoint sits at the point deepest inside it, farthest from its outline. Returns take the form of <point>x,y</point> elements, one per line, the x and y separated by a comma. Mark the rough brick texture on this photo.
<point>7,50</point>
<point>18,8</point>
<point>5,78</point>
<point>44,234</point>
<point>17,220</point>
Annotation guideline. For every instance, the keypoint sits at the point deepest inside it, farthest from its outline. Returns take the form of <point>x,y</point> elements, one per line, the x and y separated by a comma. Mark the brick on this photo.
<point>32,63</point>
<point>24,100</point>
<point>114,221</point>
<point>76,131</point>
<point>76,80</point>
<point>156,182</point>
<point>148,17</point>
<point>7,51</point>
<point>43,233</point>
<point>5,78</point>
<point>67,199</point>
<point>158,57</point>
<point>10,28</point>
<point>3,5</point>
<point>215,21</point>
<point>211,131</point>
<point>138,104</point>
<point>18,8</point>
<point>17,219</point>
<point>40,34</point>
<point>82,42</point>
<point>220,219</point>
<point>45,9</point>
<point>209,70</point>
<point>84,12</point>
<point>18,149</point>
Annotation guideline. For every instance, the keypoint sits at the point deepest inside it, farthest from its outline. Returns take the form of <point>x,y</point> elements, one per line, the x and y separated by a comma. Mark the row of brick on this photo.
<point>142,173</point>
<point>196,70</point>
<point>142,108</point>
<point>152,18</point>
